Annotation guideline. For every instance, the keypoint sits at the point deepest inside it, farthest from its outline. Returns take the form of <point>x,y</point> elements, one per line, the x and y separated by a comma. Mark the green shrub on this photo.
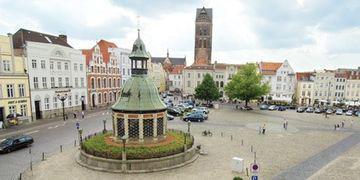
<point>237,178</point>
<point>96,146</point>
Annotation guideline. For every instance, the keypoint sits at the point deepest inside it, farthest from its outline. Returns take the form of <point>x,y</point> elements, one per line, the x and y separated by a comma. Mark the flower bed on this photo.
<point>97,146</point>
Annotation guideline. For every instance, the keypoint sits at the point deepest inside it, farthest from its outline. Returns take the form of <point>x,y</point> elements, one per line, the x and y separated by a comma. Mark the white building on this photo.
<point>124,61</point>
<point>324,87</point>
<point>281,78</point>
<point>54,68</point>
<point>176,78</point>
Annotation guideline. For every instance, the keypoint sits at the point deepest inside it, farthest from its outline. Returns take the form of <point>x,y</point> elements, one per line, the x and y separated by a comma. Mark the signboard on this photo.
<point>254,168</point>
<point>63,91</point>
<point>17,101</point>
<point>254,177</point>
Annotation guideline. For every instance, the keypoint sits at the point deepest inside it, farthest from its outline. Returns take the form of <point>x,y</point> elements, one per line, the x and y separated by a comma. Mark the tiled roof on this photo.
<point>269,68</point>
<point>174,61</point>
<point>220,66</point>
<point>104,50</point>
<point>177,69</point>
<point>352,75</point>
<point>204,67</point>
<point>23,35</point>
<point>303,76</point>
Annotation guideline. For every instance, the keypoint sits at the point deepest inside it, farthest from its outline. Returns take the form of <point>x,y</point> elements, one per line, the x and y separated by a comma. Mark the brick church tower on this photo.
<point>203,36</point>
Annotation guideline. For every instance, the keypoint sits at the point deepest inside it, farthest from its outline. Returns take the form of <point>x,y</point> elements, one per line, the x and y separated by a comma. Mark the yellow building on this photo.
<point>14,84</point>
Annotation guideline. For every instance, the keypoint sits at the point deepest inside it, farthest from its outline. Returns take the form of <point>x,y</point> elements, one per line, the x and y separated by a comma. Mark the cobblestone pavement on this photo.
<point>310,137</point>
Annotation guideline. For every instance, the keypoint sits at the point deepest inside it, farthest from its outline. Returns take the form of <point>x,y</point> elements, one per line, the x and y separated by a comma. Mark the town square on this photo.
<point>116,89</point>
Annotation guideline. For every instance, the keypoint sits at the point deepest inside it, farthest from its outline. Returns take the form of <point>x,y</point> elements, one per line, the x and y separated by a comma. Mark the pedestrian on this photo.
<point>74,113</point>
<point>335,127</point>
<point>264,129</point>
<point>82,114</point>
<point>286,124</point>
<point>338,125</point>
<point>259,129</point>
<point>342,123</point>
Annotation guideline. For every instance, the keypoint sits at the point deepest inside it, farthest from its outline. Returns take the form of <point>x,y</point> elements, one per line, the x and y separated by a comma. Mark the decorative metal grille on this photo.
<point>120,127</point>
<point>148,127</point>
<point>133,128</point>
<point>160,126</point>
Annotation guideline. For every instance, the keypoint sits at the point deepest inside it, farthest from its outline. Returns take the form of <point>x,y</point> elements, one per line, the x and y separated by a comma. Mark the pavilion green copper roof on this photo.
<point>138,50</point>
<point>139,95</point>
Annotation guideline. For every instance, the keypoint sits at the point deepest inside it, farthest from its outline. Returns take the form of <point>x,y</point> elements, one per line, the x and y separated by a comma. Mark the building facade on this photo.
<point>305,88</point>
<point>352,86</point>
<point>14,82</point>
<point>103,74</point>
<point>324,87</point>
<point>55,70</point>
<point>158,74</point>
<point>281,79</point>
<point>124,62</point>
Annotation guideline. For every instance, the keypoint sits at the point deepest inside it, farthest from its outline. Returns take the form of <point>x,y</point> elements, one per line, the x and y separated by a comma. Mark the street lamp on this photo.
<point>123,139</point>
<point>104,121</point>
<point>189,124</point>
<point>62,99</point>
<point>80,131</point>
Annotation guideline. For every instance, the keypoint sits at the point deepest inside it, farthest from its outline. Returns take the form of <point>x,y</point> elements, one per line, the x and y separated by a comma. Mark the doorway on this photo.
<point>2,114</point>
<point>37,110</point>
<point>83,103</point>
<point>93,100</point>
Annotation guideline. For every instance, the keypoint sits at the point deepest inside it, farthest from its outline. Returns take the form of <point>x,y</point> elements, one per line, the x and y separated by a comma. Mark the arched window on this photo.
<point>110,83</point>
<point>99,83</point>
<point>114,82</point>
<point>105,98</point>
<point>110,96</point>
<point>92,83</point>
<point>99,98</point>
<point>221,84</point>
<point>217,83</point>
<point>104,82</point>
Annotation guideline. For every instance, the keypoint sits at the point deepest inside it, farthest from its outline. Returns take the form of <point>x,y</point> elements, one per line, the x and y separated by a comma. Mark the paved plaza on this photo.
<point>309,149</point>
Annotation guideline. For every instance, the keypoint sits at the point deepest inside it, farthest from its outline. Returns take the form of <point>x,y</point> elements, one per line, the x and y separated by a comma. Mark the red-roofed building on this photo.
<point>176,78</point>
<point>104,77</point>
<point>305,88</point>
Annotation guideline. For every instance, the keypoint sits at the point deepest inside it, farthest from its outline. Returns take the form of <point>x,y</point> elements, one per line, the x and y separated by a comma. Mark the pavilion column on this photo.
<point>165,124</point>
<point>115,125</point>
<point>155,129</point>
<point>126,126</point>
<point>141,128</point>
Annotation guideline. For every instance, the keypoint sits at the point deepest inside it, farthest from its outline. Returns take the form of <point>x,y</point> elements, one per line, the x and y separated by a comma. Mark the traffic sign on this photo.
<point>254,177</point>
<point>254,167</point>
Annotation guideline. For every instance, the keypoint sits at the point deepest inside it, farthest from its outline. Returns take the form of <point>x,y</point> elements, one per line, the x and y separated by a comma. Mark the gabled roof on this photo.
<point>203,10</point>
<point>304,76</point>
<point>177,69</point>
<point>23,35</point>
<point>269,68</point>
<point>174,61</point>
<point>203,67</point>
<point>104,50</point>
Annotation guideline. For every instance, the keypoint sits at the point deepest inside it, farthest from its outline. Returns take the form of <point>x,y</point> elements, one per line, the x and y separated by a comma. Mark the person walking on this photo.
<point>264,128</point>
<point>286,124</point>
<point>259,129</point>
<point>342,123</point>
<point>82,114</point>
<point>335,127</point>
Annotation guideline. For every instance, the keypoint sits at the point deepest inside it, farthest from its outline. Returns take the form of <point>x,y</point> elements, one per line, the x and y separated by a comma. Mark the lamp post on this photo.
<point>189,124</point>
<point>62,99</point>
<point>123,139</point>
<point>104,121</point>
<point>80,131</point>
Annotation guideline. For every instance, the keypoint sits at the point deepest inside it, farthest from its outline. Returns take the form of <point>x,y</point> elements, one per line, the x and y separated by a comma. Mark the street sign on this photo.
<point>254,167</point>
<point>254,177</point>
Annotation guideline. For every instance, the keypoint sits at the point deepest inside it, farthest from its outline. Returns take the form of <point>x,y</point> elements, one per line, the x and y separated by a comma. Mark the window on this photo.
<point>123,71</point>
<point>6,65</point>
<point>81,67</point>
<point>104,82</point>
<point>67,83</point>
<point>75,66</point>
<point>42,64</point>
<point>52,82</point>
<point>36,83</point>
<point>66,66</point>
<point>70,101</point>
<point>188,84</point>
<point>199,75</point>
<point>44,82</point>
<point>12,109</point>
<point>128,71</point>
<point>33,64</point>
<point>98,83</point>
<point>82,82</point>
<point>21,90</point>
<point>109,83</point>
<point>51,64</point>
<point>303,93</point>
<point>92,83</point>
<point>76,99</point>
<point>10,90</point>
<point>76,82</point>
<point>23,109</point>
<point>188,75</point>
<point>59,65</point>
<point>60,81</point>
<point>99,98</point>
<point>46,103</point>
<point>278,78</point>
<point>55,100</point>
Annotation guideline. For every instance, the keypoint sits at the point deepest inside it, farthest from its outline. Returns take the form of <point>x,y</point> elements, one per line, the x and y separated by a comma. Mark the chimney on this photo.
<point>63,37</point>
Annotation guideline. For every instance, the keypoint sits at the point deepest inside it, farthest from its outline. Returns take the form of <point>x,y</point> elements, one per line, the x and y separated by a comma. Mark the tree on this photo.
<point>246,84</point>
<point>207,90</point>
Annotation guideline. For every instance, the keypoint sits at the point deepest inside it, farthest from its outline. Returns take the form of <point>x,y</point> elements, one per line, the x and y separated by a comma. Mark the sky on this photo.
<point>310,34</point>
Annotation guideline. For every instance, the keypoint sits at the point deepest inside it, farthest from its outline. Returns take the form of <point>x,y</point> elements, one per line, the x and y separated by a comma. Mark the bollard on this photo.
<point>30,165</point>
<point>247,171</point>
<point>43,157</point>
<point>242,142</point>
<point>29,150</point>
<point>60,148</point>
<point>231,137</point>
<point>221,134</point>
<point>251,148</point>
<point>75,143</point>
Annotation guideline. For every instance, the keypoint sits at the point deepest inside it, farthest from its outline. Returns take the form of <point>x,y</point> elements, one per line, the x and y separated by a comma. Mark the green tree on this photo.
<point>246,84</point>
<point>207,90</point>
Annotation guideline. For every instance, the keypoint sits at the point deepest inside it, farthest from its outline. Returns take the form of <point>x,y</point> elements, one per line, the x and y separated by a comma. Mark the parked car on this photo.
<point>329,111</point>
<point>12,144</point>
<point>273,107</point>
<point>300,109</point>
<point>204,109</point>
<point>291,106</point>
<point>339,112</point>
<point>198,112</point>
<point>349,113</point>
<point>174,111</point>
<point>357,113</point>
<point>195,117</point>
<point>264,107</point>
<point>170,117</point>
<point>281,108</point>
<point>310,110</point>
<point>318,110</point>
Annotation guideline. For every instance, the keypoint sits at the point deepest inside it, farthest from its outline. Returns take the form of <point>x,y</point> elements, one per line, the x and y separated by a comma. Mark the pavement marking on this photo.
<point>32,132</point>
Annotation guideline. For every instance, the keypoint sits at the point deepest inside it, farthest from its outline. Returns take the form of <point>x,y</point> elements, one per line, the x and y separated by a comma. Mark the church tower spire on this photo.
<point>203,36</point>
